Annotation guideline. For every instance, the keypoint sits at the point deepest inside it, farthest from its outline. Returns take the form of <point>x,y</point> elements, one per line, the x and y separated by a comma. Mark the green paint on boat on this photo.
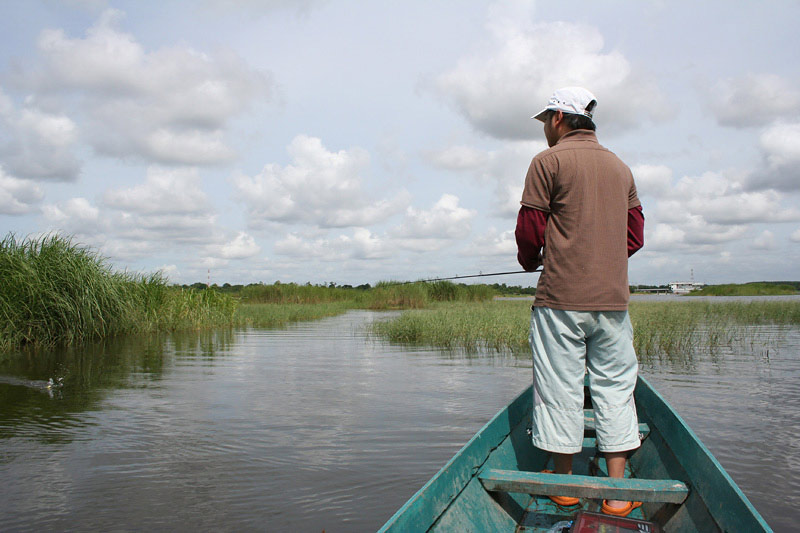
<point>494,482</point>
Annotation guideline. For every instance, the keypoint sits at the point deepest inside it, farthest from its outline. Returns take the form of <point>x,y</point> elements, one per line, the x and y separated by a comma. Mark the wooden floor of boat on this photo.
<point>541,513</point>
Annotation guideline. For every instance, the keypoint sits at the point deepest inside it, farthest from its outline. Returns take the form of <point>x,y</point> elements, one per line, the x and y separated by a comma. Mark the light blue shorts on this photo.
<point>565,345</point>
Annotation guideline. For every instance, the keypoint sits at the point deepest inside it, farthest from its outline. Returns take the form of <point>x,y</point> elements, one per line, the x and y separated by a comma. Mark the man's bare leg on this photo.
<point>615,462</point>
<point>563,463</point>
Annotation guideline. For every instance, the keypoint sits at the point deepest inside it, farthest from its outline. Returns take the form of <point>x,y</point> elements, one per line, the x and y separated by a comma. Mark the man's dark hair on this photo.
<point>579,122</point>
<point>574,121</point>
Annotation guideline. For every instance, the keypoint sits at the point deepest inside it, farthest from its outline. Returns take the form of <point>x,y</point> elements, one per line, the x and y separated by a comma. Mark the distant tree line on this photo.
<point>499,288</point>
<point>640,288</point>
<point>234,289</point>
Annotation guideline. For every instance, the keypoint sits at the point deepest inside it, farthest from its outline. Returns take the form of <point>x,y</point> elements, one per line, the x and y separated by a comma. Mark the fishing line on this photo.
<point>481,275</point>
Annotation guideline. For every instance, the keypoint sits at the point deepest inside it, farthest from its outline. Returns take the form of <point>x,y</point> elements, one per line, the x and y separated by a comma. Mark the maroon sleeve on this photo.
<point>531,224</point>
<point>635,229</point>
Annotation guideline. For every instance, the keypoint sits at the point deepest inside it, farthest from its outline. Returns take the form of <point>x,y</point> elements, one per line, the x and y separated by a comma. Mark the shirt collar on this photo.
<point>578,135</point>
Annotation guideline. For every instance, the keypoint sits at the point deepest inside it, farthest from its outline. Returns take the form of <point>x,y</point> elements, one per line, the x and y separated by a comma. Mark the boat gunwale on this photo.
<point>660,414</point>
<point>729,519</point>
<point>479,445</point>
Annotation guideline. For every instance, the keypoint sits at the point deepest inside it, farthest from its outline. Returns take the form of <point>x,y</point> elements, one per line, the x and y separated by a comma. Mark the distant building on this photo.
<point>685,287</point>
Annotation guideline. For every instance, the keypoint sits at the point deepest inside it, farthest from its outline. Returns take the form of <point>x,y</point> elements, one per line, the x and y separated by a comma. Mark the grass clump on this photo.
<point>660,328</point>
<point>292,293</point>
<point>385,295</point>
<point>272,315</point>
<point>53,291</point>
<point>673,328</point>
<point>418,295</point>
<point>498,326</point>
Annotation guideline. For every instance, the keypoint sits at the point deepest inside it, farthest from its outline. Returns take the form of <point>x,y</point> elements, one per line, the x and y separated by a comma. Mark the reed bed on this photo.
<point>675,328</point>
<point>660,328</point>
<point>53,291</point>
<point>272,315</point>
<point>292,293</point>
<point>498,326</point>
<point>385,295</point>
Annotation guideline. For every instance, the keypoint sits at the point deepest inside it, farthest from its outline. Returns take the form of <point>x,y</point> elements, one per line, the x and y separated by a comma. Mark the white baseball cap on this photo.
<point>575,100</point>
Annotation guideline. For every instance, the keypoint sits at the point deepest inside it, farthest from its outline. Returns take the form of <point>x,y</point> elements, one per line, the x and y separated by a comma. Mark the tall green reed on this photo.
<point>54,291</point>
<point>292,293</point>
<point>671,329</point>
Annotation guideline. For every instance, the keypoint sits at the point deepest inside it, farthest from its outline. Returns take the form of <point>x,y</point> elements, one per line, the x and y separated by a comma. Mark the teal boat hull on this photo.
<point>465,495</point>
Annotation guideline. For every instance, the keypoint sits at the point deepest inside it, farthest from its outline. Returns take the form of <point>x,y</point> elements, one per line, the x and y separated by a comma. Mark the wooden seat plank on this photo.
<point>628,489</point>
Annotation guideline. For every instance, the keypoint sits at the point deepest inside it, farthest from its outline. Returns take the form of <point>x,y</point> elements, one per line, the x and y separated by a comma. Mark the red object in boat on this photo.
<point>587,522</point>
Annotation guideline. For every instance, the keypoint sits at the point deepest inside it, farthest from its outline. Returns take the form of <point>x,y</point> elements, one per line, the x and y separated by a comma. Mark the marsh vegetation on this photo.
<point>53,291</point>
<point>759,288</point>
<point>660,328</point>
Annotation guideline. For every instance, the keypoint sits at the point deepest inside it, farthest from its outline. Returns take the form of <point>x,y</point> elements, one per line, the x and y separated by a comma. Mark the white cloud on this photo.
<point>76,215</point>
<point>699,231</point>
<point>459,158</point>
<point>435,228</point>
<point>719,199</point>
<point>781,143</point>
<point>36,144</point>
<point>508,200</point>
<point>169,208</point>
<point>243,246</point>
<point>169,105</point>
<point>165,231</point>
<point>764,241</point>
<point>165,191</point>
<point>753,100</point>
<point>506,167</point>
<point>795,236</point>
<point>652,180</point>
<point>499,89</point>
<point>780,146</point>
<point>318,187</point>
<point>702,213</point>
<point>190,147</point>
<point>6,106</point>
<point>363,244</point>
<point>55,130</point>
<point>445,220</point>
<point>171,272</point>
<point>262,7</point>
<point>18,197</point>
<point>295,245</point>
<point>662,237</point>
<point>493,243</point>
<point>366,245</point>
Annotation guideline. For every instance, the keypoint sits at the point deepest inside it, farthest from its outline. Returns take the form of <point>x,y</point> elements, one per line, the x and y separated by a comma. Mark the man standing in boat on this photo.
<point>581,219</point>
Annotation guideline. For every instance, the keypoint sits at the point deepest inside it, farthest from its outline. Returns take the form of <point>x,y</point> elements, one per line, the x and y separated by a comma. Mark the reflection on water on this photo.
<point>314,427</point>
<point>320,426</point>
<point>742,402</point>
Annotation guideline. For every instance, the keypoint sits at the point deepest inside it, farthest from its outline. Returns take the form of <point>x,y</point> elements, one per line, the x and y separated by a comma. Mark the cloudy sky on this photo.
<point>357,141</point>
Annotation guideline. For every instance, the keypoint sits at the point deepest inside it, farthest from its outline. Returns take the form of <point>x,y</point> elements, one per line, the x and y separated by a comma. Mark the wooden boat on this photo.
<point>495,482</point>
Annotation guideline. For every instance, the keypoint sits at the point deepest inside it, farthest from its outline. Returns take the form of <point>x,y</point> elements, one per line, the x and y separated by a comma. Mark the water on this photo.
<point>742,402</point>
<point>320,426</point>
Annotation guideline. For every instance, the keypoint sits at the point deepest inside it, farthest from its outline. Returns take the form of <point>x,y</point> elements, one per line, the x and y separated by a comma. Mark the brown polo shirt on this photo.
<point>587,192</point>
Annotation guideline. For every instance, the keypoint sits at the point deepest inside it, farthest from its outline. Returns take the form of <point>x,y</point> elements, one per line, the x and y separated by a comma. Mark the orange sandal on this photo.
<point>620,511</point>
<point>563,501</point>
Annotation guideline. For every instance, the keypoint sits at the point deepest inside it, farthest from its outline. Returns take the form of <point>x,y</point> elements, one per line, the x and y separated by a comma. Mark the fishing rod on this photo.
<point>481,275</point>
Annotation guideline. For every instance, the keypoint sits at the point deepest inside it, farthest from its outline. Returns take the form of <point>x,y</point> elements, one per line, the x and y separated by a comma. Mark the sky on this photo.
<point>349,142</point>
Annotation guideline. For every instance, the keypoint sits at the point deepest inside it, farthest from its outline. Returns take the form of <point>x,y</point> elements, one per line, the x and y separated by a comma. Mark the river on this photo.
<point>321,426</point>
